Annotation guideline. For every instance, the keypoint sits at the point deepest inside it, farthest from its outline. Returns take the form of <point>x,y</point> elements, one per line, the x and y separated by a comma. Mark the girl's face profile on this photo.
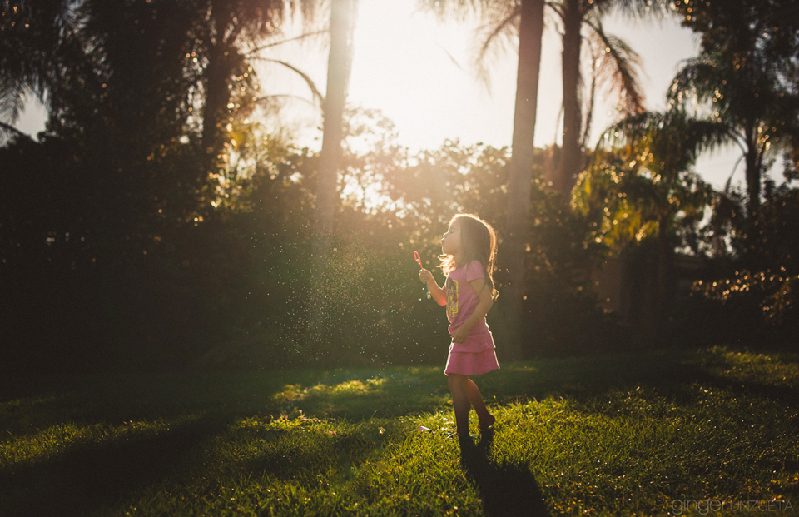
<point>451,241</point>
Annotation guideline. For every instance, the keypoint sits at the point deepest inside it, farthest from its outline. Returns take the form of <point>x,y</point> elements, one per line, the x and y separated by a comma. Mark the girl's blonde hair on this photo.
<point>478,242</point>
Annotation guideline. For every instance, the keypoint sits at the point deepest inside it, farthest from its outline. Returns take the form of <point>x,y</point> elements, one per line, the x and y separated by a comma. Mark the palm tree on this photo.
<point>38,43</point>
<point>531,30</point>
<point>572,14</point>
<point>618,67</point>
<point>747,93</point>
<point>614,64</point>
<point>640,181</point>
<point>225,33</point>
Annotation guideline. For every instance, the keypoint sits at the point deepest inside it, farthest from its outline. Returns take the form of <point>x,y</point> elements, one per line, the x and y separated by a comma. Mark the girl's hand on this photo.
<point>425,276</point>
<point>460,334</point>
<point>433,290</point>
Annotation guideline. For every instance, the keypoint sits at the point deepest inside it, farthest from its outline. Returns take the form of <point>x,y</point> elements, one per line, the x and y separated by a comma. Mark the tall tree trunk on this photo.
<point>342,14</point>
<point>338,72</point>
<point>571,159</point>
<point>217,91</point>
<point>217,96</point>
<point>753,174</point>
<point>531,30</point>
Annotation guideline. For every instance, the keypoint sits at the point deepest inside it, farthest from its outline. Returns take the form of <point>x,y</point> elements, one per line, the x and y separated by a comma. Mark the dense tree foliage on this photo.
<point>746,77</point>
<point>642,183</point>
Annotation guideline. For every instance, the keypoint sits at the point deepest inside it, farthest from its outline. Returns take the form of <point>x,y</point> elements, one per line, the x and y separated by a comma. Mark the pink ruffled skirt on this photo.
<point>471,363</point>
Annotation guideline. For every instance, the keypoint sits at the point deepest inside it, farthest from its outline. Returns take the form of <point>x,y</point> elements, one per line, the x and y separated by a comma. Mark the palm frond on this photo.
<point>619,67</point>
<point>630,128</point>
<point>668,142</point>
<point>636,9</point>
<point>555,7</point>
<point>451,58</point>
<point>697,80</point>
<point>494,37</point>
<point>12,100</point>
<point>301,37</point>
<point>266,98</point>
<point>454,9</point>
<point>8,132</point>
<point>706,135</point>
<point>589,110</point>
<point>304,10</point>
<point>305,77</point>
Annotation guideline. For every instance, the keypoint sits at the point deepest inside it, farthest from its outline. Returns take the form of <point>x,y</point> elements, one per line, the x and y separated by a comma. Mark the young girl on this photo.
<point>469,248</point>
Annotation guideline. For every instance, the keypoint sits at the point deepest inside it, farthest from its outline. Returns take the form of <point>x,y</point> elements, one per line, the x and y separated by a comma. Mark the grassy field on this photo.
<point>653,433</point>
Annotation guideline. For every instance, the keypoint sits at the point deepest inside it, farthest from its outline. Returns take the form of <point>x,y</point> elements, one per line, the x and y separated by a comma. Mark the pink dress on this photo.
<point>475,356</point>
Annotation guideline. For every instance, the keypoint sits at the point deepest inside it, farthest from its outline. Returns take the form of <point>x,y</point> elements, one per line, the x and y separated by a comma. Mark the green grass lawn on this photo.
<point>643,434</point>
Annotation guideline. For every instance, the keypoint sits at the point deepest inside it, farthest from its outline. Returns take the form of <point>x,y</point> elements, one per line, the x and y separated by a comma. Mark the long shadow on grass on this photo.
<point>84,480</point>
<point>507,489</point>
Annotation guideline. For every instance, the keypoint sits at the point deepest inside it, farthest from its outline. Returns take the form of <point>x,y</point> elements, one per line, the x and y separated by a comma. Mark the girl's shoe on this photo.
<point>452,435</point>
<point>487,426</point>
<point>466,442</point>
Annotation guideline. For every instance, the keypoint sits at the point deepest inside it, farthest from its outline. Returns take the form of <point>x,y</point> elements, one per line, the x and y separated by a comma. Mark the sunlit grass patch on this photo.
<point>766,369</point>
<point>364,394</point>
<point>295,392</point>
<point>57,439</point>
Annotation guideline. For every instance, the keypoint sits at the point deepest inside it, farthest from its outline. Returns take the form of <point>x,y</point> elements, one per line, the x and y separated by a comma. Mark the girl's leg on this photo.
<point>476,400</point>
<point>460,402</point>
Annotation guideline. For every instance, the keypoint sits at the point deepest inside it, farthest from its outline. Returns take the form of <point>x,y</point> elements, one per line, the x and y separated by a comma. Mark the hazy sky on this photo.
<point>418,72</point>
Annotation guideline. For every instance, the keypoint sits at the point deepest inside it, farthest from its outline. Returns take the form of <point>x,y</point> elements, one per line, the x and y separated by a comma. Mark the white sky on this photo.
<point>403,66</point>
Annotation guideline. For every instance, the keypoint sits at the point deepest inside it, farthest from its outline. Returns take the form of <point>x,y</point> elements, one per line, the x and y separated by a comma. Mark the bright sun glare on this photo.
<point>417,71</point>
